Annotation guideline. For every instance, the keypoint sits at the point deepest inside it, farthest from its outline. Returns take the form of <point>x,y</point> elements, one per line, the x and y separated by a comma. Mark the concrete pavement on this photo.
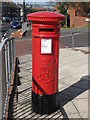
<point>72,84</point>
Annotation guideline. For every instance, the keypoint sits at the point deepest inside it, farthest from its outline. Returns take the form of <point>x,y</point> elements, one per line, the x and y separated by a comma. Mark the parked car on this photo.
<point>17,19</point>
<point>16,24</point>
<point>6,19</point>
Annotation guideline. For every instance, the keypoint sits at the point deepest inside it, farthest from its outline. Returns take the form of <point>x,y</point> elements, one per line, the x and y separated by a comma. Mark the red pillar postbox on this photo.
<point>45,53</point>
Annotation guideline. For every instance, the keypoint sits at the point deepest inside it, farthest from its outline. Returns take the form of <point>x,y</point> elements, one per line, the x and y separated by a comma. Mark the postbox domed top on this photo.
<point>46,16</point>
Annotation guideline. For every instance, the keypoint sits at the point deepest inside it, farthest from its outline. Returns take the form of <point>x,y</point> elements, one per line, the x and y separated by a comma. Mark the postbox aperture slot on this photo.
<point>46,30</point>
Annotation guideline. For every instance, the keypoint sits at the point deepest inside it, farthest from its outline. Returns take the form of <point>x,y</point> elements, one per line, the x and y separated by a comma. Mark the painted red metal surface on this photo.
<point>45,25</point>
<point>46,16</point>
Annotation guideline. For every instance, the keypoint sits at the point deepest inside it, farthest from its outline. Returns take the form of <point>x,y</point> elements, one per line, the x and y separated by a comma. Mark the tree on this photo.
<point>63,11</point>
<point>82,7</point>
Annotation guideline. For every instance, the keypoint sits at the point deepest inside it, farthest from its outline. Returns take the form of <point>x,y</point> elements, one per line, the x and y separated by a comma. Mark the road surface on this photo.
<point>24,45</point>
<point>80,37</point>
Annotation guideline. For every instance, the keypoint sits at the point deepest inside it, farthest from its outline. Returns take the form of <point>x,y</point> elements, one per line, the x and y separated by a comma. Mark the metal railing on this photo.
<point>6,67</point>
<point>72,38</point>
<point>6,35</point>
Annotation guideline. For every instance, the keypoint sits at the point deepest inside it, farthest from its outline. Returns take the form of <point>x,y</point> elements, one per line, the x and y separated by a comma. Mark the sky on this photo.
<point>31,1</point>
<point>37,1</point>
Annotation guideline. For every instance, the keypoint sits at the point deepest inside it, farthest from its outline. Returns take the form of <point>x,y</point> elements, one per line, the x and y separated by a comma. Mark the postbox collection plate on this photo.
<point>46,46</point>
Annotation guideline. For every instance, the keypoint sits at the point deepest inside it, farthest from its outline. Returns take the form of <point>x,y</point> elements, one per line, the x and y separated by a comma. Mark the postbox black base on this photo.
<point>44,104</point>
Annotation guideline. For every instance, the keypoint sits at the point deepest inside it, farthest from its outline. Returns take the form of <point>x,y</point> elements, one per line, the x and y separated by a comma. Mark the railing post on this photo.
<point>3,82</point>
<point>1,111</point>
<point>11,55</point>
<point>6,66</point>
<point>8,58</point>
<point>12,49</point>
<point>72,40</point>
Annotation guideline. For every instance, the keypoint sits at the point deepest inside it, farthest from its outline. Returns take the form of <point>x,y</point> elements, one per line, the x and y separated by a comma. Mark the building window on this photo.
<point>75,13</point>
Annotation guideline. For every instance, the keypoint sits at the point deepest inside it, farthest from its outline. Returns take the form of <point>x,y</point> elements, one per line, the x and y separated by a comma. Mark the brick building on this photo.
<point>77,15</point>
<point>76,18</point>
<point>9,9</point>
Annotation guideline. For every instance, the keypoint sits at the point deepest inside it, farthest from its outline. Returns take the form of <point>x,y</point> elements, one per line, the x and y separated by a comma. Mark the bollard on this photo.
<point>45,51</point>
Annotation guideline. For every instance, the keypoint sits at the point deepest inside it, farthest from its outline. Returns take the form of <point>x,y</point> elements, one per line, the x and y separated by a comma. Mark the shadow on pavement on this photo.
<point>73,91</point>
